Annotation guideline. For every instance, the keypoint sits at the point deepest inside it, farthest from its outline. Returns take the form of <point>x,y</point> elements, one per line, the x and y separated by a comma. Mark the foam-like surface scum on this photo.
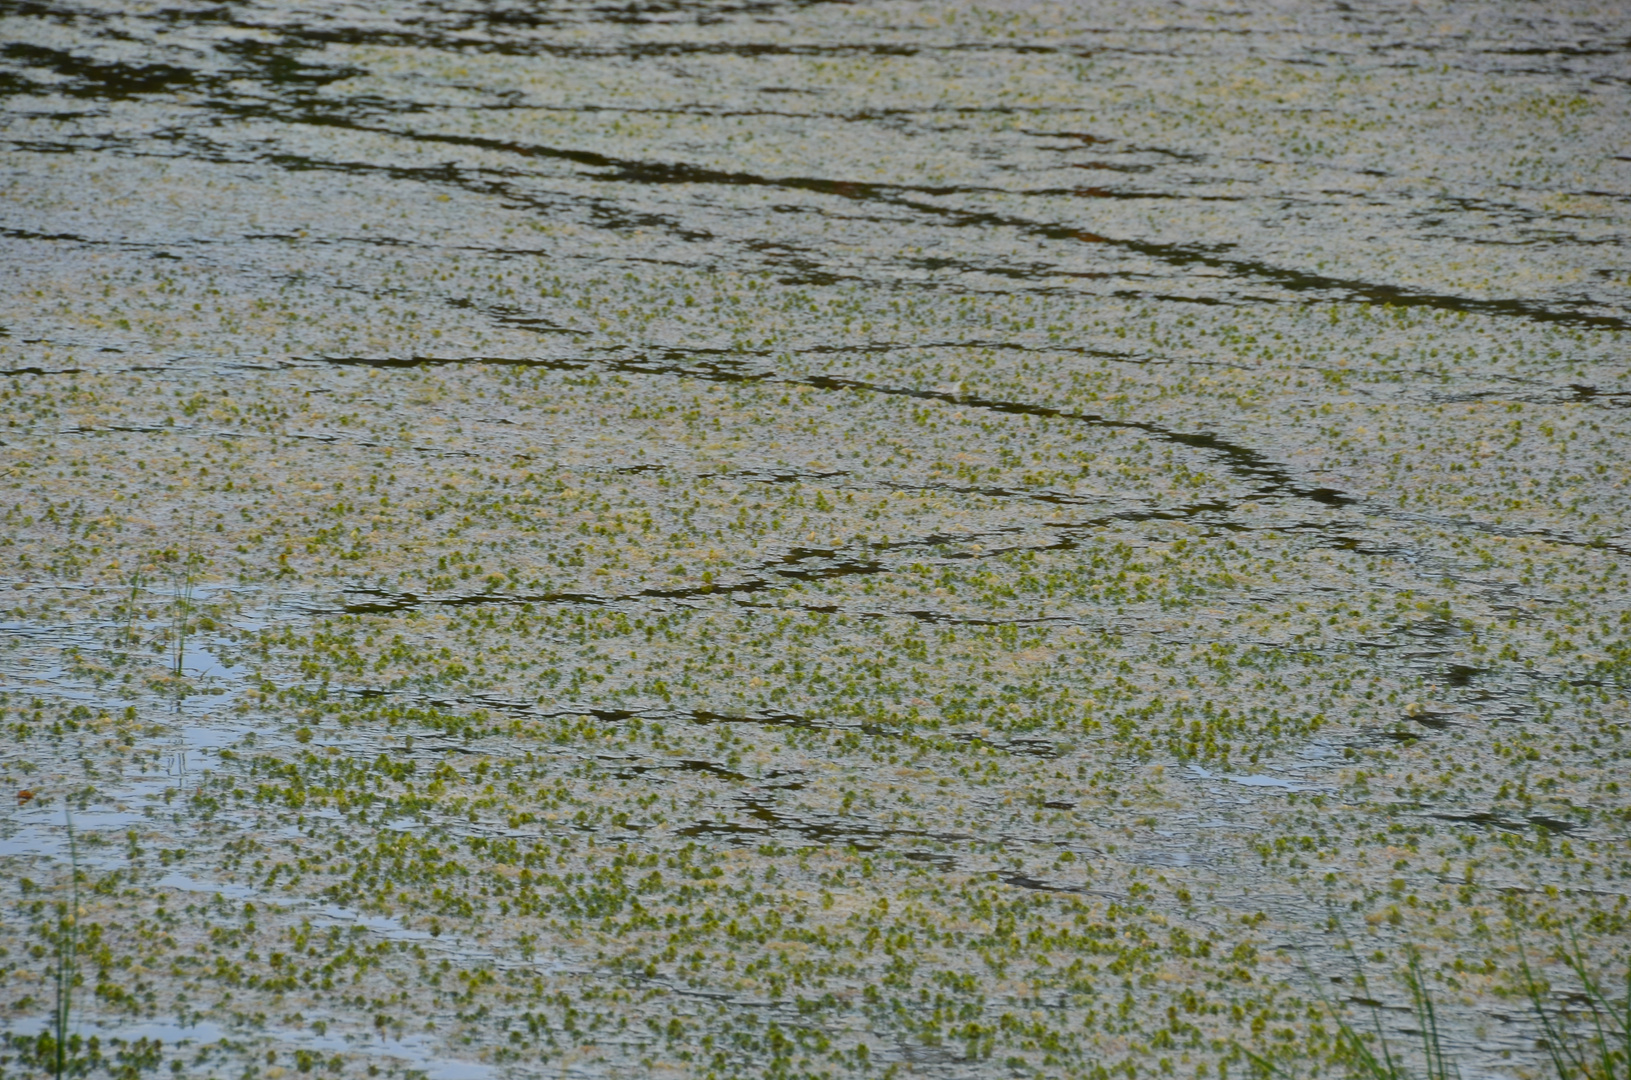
<point>809,540</point>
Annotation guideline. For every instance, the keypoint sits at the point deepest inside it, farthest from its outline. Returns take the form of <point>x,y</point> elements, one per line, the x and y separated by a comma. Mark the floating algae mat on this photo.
<point>806,540</point>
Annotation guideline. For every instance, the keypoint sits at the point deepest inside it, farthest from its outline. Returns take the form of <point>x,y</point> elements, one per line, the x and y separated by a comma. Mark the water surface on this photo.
<point>810,539</point>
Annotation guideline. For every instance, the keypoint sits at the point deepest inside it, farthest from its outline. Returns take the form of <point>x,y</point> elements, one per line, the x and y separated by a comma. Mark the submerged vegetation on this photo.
<point>814,541</point>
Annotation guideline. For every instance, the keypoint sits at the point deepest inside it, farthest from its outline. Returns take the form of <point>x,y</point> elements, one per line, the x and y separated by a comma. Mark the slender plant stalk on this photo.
<point>1438,1068</point>
<point>180,605</point>
<point>1375,1061</point>
<point>183,603</point>
<point>130,608</point>
<point>1606,1053</point>
<point>178,623</point>
<point>67,948</point>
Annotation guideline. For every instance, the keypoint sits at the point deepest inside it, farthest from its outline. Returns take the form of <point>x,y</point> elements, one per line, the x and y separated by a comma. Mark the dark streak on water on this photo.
<point>1245,462</point>
<point>296,86</point>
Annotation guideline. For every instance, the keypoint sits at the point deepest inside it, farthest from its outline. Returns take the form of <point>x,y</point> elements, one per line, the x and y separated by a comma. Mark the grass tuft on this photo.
<point>1368,1055</point>
<point>1603,1050</point>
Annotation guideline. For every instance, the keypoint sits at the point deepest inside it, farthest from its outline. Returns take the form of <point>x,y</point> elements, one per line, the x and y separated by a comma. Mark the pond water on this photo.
<point>811,539</point>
